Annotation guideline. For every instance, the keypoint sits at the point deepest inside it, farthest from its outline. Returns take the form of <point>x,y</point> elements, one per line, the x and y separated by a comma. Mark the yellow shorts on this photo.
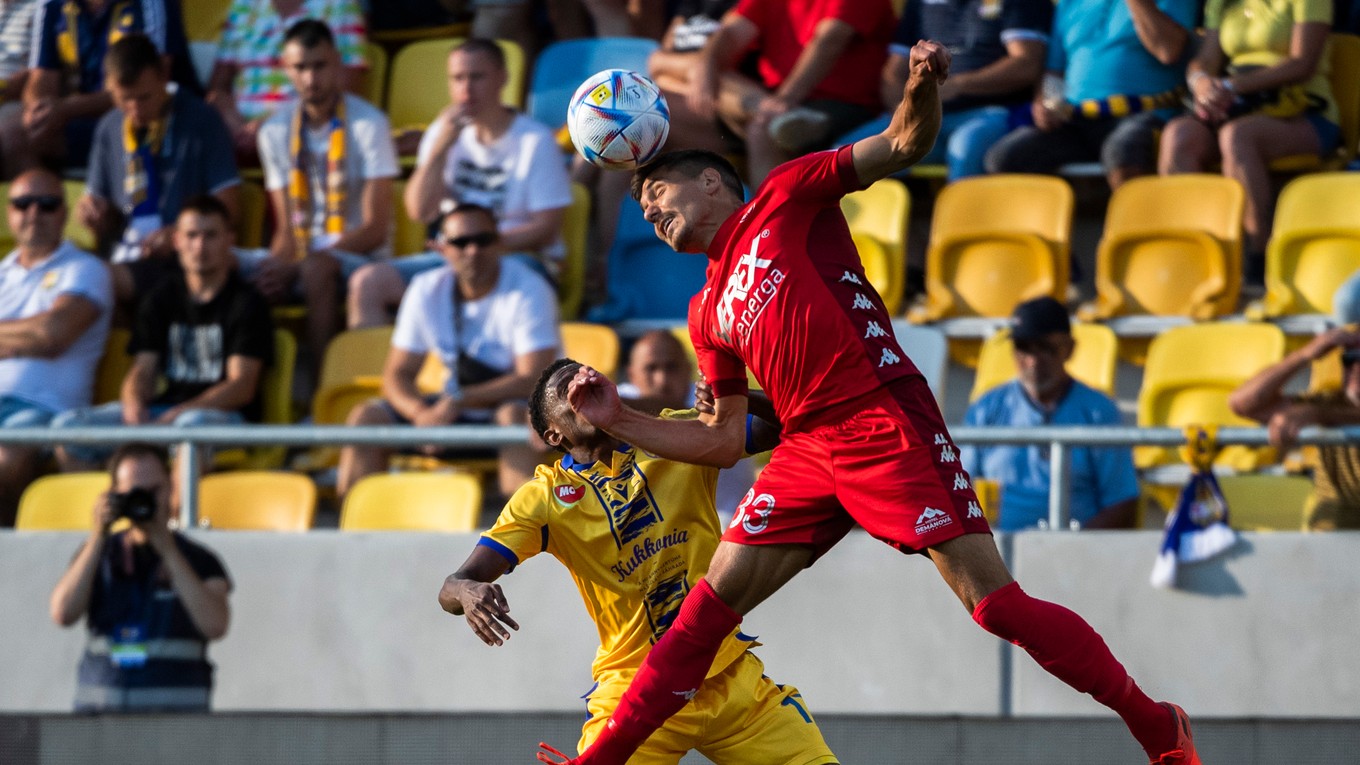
<point>739,717</point>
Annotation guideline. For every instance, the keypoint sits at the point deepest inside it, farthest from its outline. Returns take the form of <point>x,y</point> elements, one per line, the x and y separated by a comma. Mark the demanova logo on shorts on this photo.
<point>931,519</point>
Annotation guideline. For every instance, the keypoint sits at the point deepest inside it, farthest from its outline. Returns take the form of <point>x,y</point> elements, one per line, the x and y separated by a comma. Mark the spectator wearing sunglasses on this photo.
<point>1104,486</point>
<point>492,321</point>
<point>1336,470</point>
<point>55,304</point>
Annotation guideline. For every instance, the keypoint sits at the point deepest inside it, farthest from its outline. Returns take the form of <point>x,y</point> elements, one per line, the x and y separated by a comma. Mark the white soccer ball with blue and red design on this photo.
<point>618,119</point>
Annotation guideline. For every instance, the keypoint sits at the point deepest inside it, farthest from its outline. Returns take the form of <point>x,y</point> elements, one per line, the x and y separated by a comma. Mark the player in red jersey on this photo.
<point>863,440</point>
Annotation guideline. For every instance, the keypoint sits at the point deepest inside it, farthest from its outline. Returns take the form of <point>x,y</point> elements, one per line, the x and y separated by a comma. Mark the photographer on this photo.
<point>151,597</point>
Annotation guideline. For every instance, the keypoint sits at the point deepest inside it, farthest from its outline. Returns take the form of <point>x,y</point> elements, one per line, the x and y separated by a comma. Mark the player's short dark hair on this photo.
<point>309,33</point>
<point>689,163</point>
<point>127,59</point>
<point>483,46</point>
<point>468,208</point>
<point>135,450</point>
<point>206,205</point>
<point>538,400</point>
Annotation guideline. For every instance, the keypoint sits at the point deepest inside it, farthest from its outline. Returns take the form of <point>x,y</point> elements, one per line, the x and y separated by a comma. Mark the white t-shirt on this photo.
<point>67,381</point>
<point>519,316</point>
<point>520,174</point>
<point>369,154</point>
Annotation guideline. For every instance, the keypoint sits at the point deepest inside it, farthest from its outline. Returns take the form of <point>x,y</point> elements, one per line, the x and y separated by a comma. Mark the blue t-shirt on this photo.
<point>1096,47</point>
<point>195,158</point>
<point>1101,477</point>
<point>159,20</point>
<point>976,33</point>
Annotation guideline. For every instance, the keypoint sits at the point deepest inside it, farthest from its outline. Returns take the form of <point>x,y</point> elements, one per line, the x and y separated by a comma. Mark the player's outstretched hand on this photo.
<point>488,612</point>
<point>929,58</point>
<point>594,397</point>
<point>548,754</point>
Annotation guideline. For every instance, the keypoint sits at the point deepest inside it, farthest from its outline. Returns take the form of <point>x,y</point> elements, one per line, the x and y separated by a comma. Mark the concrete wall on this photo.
<point>326,621</point>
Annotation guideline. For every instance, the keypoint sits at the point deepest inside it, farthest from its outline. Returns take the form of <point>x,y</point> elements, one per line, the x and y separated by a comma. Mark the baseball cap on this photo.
<point>1038,318</point>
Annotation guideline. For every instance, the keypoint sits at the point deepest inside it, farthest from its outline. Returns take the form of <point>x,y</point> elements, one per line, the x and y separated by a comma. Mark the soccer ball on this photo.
<point>618,119</point>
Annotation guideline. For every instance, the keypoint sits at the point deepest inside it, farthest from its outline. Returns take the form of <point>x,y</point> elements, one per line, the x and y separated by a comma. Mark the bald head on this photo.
<point>660,369</point>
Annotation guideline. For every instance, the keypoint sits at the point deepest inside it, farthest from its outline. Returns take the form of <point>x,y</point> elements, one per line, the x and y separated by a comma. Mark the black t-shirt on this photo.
<point>194,340</point>
<point>120,598</point>
<point>700,19</point>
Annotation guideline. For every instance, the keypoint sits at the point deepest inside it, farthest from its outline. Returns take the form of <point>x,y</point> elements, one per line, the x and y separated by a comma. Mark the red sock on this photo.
<point>667,680</point>
<point>1066,646</point>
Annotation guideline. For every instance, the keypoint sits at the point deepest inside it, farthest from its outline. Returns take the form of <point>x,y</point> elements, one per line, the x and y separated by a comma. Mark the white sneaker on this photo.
<point>798,128</point>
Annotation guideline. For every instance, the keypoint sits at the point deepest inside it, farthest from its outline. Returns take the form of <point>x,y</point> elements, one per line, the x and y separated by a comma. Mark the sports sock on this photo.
<point>667,680</point>
<point>1070,650</point>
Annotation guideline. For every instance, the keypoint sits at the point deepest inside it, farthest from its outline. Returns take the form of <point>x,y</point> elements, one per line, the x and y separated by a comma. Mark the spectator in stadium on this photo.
<point>152,599</point>
<point>1261,91</point>
<point>152,152</point>
<point>16,41</point>
<point>998,52</point>
<point>249,83</point>
<point>862,440</point>
<point>493,323</point>
<point>329,163</point>
<point>739,716</point>
<point>64,94</point>
<point>531,22</point>
<point>1336,472</point>
<point>481,152</point>
<point>1104,487</point>
<point>203,331</point>
<point>672,68</point>
<point>55,305</point>
<point>818,64</point>
<point>659,374</point>
<point>1115,77</point>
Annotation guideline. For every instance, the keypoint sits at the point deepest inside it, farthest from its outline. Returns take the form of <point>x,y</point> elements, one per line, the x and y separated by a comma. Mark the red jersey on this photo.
<point>786,27</point>
<point>787,297</point>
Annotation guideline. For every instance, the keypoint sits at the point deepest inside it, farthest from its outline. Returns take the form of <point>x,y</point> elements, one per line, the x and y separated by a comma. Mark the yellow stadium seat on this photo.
<point>399,36</point>
<point>571,283</point>
<point>594,345</point>
<point>375,79</point>
<point>1191,371</point>
<point>351,373</point>
<point>250,218</point>
<point>1172,246</point>
<point>996,241</point>
<point>881,212</point>
<point>877,264</point>
<point>410,236</point>
<point>1344,61</point>
<point>1259,502</point>
<point>113,366</point>
<point>276,400</point>
<point>1093,359</point>
<point>256,500</point>
<point>413,502</point>
<point>75,230</point>
<point>62,502</point>
<point>205,19</point>
<point>421,69</point>
<point>1314,246</point>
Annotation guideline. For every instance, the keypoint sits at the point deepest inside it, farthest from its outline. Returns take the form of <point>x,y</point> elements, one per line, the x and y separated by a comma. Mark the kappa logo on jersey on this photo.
<point>931,519</point>
<point>748,292</point>
<point>851,277</point>
<point>568,495</point>
<point>888,358</point>
<point>947,454</point>
<point>874,331</point>
<point>961,482</point>
<point>862,303</point>
<point>974,510</point>
<point>753,514</point>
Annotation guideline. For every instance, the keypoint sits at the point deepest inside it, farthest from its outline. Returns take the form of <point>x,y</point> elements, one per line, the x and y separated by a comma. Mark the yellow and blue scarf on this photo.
<point>124,23</point>
<point>299,188</point>
<point>142,150</point>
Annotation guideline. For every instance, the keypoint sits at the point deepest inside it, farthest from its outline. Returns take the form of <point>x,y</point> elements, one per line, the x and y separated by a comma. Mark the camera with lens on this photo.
<point>137,505</point>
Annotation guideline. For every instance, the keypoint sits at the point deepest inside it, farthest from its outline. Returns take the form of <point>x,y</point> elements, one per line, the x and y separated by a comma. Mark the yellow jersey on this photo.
<point>636,535</point>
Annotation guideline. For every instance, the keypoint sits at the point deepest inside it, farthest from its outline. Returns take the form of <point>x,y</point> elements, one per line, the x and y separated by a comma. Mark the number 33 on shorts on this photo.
<point>753,514</point>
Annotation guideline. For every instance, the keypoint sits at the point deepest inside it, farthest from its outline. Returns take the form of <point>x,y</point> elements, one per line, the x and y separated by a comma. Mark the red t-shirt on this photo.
<point>786,26</point>
<point>786,296</point>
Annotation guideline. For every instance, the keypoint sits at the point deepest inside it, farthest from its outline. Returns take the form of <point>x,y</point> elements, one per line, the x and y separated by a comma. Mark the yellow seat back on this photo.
<point>205,19</point>
<point>413,502</point>
<point>1346,89</point>
<point>420,81</point>
<point>1266,502</point>
<point>75,230</point>
<point>351,372</point>
<point>113,366</point>
<point>410,236</point>
<point>1172,246</point>
<point>996,241</point>
<point>1315,243</point>
<point>1093,359</point>
<point>374,89</point>
<point>62,502</point>
<point>257,500</point>
<point>594,345</point>
<point>881,213</point>
<point>571,283</point>
<point>250,222</point>
<point>276,408</point>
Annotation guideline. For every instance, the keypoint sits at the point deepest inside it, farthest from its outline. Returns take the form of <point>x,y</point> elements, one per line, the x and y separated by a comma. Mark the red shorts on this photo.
<point>889,465</point>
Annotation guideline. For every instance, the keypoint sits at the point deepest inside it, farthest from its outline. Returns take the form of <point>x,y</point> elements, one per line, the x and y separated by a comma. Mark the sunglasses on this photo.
<point>44,202</point>
<point>467,240</point>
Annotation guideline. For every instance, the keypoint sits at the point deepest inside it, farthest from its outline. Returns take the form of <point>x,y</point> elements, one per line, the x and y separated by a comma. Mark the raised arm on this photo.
<point>469,592</point>
<point>915,123</point>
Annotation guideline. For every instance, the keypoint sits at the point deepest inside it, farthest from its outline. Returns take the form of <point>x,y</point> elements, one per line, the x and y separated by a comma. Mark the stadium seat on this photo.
<point>421,70</point>
<point>113,366</point>
<point>205,19</point>
<point>877,264</point>
<point>256,500</point>
<point>351,373</point>
<point>928,349</point>
<point>647,279</point>
<point>681,333</point>
<point>594,345</point>
<point>1093,359</point>
<point>1259,502</point>
<point>561,67</point>
<point>374,90</point>
<point>61,502</point>
<point>276,399</point>
<point>413,502</point>
<point>250,223</point>
<point>1172,246</point>
<point>410,236</point>
<point>1345,79</point>
<point>1314,246</point>
<point>1191,371</point>
<point>571,282</point>
<point>882,212</point>
<point>75,230</point>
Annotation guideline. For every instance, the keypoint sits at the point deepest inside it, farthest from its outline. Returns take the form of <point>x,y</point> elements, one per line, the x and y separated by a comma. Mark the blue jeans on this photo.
<point>111,414</point>
<point>965,136</point>
<point>16,412</point>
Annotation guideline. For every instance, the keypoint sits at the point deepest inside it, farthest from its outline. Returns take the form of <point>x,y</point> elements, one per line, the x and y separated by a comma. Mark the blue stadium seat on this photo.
<point>563,66</point>
<point>647,280</point>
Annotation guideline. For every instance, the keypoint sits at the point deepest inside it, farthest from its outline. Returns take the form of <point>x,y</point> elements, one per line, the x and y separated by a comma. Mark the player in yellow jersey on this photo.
<point>636,532</point>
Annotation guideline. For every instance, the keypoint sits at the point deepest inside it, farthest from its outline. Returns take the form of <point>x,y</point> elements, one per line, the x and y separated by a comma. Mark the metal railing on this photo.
<point>1060,440</point>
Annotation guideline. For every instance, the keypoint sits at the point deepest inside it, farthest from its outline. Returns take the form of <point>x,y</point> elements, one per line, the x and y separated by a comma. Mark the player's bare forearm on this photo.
<point>470,592</point>
<point>915,123</point>
<point>719,442</point>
